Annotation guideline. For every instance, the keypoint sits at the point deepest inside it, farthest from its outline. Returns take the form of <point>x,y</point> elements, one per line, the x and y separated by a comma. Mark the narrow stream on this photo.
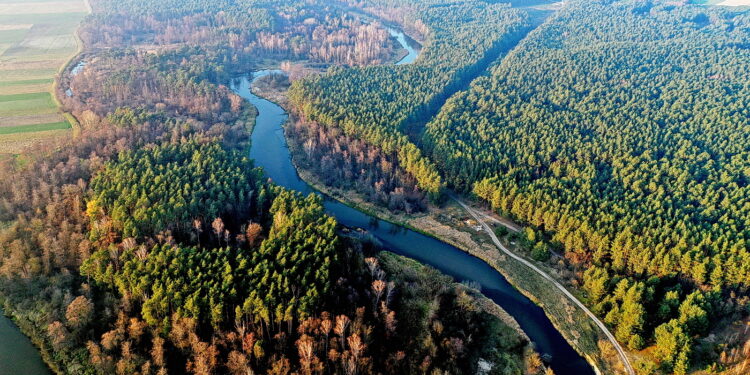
<point>270,151</point>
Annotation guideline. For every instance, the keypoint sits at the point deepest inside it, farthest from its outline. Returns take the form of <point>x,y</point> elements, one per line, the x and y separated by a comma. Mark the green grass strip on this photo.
<point>30,96</point>
<point>27,82</point>
<point>34,128</point>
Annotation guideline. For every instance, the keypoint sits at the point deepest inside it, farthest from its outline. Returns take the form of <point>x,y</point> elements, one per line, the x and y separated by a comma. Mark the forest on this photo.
<point>287,292</point>
<point>616,132</point>
<point>150,243</point>
<point>317,32</point>
<point>344,162</point>
<point>339,161</point>
<point>382,105</point>
<point>619,133</point>
<point>147,61</point>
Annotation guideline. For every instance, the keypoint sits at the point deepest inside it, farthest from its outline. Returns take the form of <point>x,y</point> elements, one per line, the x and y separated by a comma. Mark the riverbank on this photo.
<point>443,223</point>
<point>18,355</point>
<point>271,151</point>
<point>447,223</point>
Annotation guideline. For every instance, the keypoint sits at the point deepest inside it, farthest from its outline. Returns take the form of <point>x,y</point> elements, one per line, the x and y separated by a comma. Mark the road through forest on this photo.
<point>480,219</point>
<point>538,18</point>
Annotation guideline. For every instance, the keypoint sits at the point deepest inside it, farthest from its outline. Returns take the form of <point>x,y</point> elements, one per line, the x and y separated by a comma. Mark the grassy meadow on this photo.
<point>36,40</point>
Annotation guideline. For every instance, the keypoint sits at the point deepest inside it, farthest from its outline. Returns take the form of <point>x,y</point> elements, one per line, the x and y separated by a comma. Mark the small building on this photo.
<point>473,224</point>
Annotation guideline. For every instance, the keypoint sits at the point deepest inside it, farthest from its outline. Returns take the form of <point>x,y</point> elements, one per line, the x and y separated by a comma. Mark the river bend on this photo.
<point>270,151</point>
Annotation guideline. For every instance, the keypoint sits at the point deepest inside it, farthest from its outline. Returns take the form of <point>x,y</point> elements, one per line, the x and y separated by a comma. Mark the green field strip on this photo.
<point>65,26</point>
<point>30,96</point>
<point>14,138</point>
<point>26,53</point>
<point>44,8</point>
<point>33,1</point>
<point>25,89</point>
<point>27,107</point>
<point>35,55</point>
<point>34,128</point>
<point>24,82</point>
<point>49,18</point>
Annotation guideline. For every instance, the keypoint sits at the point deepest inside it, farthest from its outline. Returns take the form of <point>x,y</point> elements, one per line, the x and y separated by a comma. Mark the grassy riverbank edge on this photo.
<point>65,69</point>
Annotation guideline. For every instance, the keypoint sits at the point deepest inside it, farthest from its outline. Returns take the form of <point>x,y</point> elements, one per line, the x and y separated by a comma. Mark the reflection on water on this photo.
<point>412,53</point>
<point>74,72</point>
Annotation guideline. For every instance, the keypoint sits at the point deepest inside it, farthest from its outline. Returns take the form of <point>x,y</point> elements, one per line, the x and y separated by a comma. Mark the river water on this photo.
<point>74,72</point>
<point>270,151</point>
<point>411,52</point>
<point>17,355</point>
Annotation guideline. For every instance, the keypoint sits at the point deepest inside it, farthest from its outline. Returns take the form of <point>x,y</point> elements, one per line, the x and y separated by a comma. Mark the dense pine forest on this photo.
<point>379,104</point>
<point>616,131</point>
<point>244,276</point>
<point>619,132</point>
<point>151,244</point>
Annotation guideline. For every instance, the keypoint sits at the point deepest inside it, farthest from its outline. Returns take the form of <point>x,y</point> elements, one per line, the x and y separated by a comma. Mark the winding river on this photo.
<point>270,151</point>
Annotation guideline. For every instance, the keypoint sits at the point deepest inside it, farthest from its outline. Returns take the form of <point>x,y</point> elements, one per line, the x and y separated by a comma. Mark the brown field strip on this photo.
<point>23,89</point>
<point>16,143</point>
<point>30,120</point>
